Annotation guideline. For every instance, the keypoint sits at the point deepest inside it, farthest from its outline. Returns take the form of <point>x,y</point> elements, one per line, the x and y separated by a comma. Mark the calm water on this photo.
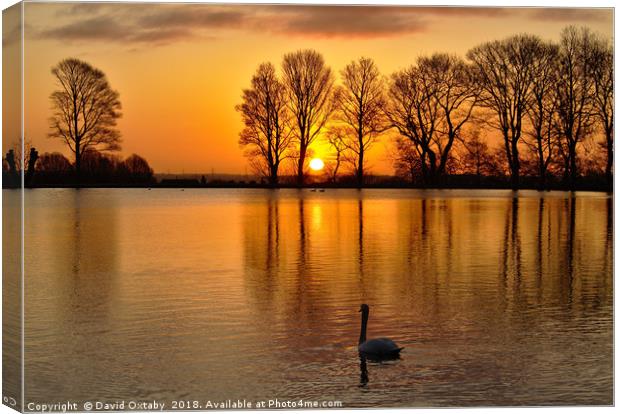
<point>252,294</point>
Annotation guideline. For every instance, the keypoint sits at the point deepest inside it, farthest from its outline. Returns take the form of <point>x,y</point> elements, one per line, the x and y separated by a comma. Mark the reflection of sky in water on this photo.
<point>254,294</point>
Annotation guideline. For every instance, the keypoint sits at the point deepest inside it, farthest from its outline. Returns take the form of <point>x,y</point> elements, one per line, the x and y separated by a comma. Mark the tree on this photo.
<point>100,167</point>
<point>85,110</point>
<point>266,135</point>
<point>414,112</point>
<point>33,156</point>
<point>429,104</point>
<point>456,95</point>
<point>541,108</point>
<point>138,169</point>
<point>309,86</point>
<point>11,176</point>
<point>477,158</point>
<point>575,91</point>
<point>337,141</point>
<point>504,71</point>
<point>406,159</point>
<point>361,102</point>
<point>604,99</point>
<point>53,162</point>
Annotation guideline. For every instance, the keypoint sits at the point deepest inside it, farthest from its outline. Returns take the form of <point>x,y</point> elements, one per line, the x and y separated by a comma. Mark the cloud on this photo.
<point>11,36</point>
<point>166,23</point>
<point>571,15</point>
<point>111,27</point>
<point>95,28</point>
<point>195,16</point>
<point>332,21</point>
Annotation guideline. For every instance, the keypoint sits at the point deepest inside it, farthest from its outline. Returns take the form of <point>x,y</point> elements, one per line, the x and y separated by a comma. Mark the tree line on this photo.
<point>84,117</point>
<point>546,102</point>
<point>54,169</point>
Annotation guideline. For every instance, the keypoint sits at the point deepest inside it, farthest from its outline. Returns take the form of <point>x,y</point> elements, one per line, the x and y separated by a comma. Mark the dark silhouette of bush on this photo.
<point>10,175</point>
<point>32,161</point>
<point>135,169</point>
<point>97,169</point>
<point>53,162</point>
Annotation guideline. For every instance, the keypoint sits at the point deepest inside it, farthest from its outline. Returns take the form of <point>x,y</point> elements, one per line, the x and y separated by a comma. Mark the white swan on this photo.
<point>378,348</point>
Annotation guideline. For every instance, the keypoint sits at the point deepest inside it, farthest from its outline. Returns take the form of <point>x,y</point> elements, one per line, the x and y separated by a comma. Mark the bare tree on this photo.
<point>575,92</point>
<point>414,112</point>
<point>85,110</point>
<point>309,85</point>
<point>604,99</point>
<point>22,159</point>
<point>266,135</point>
<point>504,73</point>
<point>137,169</point>
<point>456,95</point>
<point>336,137</point>
<point>361,102</point>
<point>429,104</point>
<point>53,162</point>
<point>406,159</point>
<point>477,158</point>
<point>542,107</point>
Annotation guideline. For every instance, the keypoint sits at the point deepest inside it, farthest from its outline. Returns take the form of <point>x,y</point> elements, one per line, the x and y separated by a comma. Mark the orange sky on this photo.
<point>180,69</point>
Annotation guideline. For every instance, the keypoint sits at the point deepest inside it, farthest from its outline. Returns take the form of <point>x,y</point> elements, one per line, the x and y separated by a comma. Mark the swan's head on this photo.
<point>364,308</point>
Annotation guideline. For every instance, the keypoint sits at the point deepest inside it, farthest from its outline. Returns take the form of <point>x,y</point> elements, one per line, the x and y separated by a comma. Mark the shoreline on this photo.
<point>316,187</point>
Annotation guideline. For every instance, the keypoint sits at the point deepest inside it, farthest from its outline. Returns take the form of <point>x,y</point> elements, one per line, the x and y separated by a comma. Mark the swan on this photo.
<point>379,347</point>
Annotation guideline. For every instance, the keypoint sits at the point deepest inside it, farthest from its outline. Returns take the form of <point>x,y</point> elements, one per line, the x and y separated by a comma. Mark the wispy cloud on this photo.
<point>109,29</point>
<point>570,15</point>
<point>163,24</point>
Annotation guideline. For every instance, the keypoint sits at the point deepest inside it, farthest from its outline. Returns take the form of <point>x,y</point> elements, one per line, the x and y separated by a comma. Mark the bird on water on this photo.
<point>379,347</point>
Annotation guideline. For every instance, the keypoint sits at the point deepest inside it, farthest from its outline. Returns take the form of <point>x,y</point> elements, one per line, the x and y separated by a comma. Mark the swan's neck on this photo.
<point>363,330</point>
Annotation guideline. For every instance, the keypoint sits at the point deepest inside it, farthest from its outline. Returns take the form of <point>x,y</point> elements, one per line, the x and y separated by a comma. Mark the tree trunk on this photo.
<point>432,174</point>
<point>572,154</point>
<point>542,176</point>
<point>360,169</point>
<point>514,167</point>
<point>610,159</point>
<point>541,163</point>
<point>300,166</point>
<point>273,177</point>
<point>78,162</point>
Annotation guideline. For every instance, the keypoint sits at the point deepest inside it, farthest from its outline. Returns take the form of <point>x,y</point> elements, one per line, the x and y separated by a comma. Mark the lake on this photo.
<point>250,294</point>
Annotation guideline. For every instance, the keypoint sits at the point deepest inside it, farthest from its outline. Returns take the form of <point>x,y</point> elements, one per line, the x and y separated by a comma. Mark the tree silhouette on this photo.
<point>504,71</point>
<point>85,110</point>
<point>53,162</point>
<point>406,159</point>
<point>266,135</point>
<point>9,165</point>
<point>99,167</point>
<point>457,96</point>
<point>361,101</point>
<point>33,156</point>
<point>575,94</point>
<point>477,158</point>
<point>415,114</point>
<point>309,85</point>
<point>137,169</point>
<point>429,104</point>
<point>336,137</point>
<point>604,99</point>
<point>541,108</point>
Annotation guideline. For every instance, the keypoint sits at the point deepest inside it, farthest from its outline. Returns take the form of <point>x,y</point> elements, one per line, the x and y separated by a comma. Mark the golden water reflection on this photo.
<point>498,300</point>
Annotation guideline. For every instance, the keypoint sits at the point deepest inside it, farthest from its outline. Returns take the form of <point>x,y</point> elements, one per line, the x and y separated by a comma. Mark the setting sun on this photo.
<point>317,164</point>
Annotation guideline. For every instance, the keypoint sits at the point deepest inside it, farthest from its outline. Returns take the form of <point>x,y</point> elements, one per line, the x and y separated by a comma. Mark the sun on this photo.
<point>317,164</point>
